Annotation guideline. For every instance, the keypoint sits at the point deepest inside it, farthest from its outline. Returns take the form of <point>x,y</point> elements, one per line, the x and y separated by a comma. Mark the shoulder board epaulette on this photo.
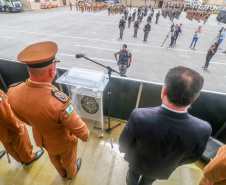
<point>60,96</point>
<point>16,84</point>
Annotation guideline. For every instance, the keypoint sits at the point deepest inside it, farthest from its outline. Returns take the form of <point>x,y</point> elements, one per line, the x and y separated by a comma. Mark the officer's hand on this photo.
<point>22,131</point>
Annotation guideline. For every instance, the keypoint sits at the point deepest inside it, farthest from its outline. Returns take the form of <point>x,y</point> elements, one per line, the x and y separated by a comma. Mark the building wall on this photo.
<point>137,2</point>
<point>216,2</point>
<point>25,3</point>
<point>37,5</point>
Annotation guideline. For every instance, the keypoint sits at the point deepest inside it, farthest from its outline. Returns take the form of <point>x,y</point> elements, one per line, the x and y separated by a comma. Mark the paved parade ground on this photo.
<point>97,35</point>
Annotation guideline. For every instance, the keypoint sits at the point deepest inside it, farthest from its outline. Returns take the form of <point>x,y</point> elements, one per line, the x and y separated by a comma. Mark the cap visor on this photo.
<point>56,60</point>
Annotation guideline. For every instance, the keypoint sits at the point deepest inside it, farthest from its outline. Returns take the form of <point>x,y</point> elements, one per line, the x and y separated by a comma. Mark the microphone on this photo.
<point>79,55</point>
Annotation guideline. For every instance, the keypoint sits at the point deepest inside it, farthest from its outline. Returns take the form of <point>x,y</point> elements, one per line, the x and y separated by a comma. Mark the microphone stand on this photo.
<point>110,70</point>
<point>166,38</point>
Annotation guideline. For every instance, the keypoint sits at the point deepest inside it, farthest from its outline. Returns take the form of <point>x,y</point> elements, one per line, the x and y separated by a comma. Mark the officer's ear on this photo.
<point>52,70</point>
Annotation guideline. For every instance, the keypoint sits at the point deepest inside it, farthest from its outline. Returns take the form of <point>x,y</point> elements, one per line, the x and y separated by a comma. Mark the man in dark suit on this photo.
<point>158,140</point>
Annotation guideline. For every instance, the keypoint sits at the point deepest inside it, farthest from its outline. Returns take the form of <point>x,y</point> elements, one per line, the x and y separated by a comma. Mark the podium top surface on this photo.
<point>81,77</point>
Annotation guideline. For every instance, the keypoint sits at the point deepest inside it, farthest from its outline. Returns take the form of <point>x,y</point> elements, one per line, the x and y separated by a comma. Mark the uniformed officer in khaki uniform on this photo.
<point>214,172</point>
<point>14,135</point>
<point>55,124</point>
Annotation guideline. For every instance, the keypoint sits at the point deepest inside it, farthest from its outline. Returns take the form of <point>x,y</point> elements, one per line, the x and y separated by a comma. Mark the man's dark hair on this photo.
<point>216,43</point>
<point>183,86</point>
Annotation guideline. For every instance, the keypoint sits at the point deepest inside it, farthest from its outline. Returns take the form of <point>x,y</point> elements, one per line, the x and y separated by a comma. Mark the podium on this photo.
<point>85,87</point>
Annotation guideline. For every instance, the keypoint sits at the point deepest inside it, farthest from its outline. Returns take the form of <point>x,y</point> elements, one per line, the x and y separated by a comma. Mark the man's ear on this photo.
<point>52,72</point>
<point>163,90</point>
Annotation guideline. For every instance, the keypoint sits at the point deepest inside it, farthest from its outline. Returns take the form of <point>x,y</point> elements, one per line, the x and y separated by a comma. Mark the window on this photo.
<point>37,1</point>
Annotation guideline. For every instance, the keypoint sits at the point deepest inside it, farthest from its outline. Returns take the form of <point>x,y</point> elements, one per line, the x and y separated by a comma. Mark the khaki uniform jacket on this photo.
<point>52,125</point>
<point>215,171</point>
<point>9,123</point>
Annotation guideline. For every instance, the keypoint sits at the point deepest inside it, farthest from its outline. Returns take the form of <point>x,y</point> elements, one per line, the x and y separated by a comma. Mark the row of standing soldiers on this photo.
<point>198,15</point>
<point>91,7</point>
<point>171,13</point>
<point>115,9</point>
<point>188,7</point>
<point>202,8</point>
<point>131,18</point>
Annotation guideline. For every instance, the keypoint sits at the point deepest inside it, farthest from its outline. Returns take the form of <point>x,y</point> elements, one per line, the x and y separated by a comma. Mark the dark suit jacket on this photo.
<point>156,141</point>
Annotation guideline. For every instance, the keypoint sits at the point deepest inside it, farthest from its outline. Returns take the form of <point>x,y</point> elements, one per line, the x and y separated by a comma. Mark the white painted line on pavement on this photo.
<point>91,58</point>
<point>217,63</point>
<point>96,48</point>
<point>6,37</point>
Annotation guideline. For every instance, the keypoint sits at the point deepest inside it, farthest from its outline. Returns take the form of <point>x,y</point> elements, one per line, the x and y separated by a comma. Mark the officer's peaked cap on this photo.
<point>39,55</point>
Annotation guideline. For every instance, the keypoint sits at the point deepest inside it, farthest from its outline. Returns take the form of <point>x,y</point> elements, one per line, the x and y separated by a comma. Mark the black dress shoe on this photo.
<point>37,156</point>
<point>79,163</point>
<point>2,153</point>
<point>31,149</point>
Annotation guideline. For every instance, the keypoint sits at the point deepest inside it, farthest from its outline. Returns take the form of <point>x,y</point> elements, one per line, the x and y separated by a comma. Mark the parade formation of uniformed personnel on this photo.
<point>157,17</point>
<point>198,15</point>
<point>122,25</point>
<point>136,27</point>
<point>146,29</point>
<point>129,20</point>
<point>171,13</point>
<point>125,59</point>
<point>55,124</point>
<point>14,135</point>
<point>91,6</point>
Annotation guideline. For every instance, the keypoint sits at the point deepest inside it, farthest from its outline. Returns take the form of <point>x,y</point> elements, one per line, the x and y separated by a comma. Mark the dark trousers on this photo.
<point>135,31</point>
<point>121,31</point>
<point>208,58</point>
<point>129,22</point>
<point>146,35</point>
<point>172,40</point>
<point>175,41</point>
<point>126,15</point>
<point>133,177</point>
<point>157,19</point>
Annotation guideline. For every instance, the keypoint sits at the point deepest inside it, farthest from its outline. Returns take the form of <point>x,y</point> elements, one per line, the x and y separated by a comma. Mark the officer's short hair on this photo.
<point>183,86</point>
<point>125,45</point>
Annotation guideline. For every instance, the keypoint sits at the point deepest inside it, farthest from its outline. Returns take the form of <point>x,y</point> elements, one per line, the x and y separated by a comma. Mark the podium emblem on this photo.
<point>89,104</point>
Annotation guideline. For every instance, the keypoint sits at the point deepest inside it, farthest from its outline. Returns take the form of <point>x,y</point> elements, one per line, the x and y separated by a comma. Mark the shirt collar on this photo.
<point>38,82</point>
<point>184,111</point>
